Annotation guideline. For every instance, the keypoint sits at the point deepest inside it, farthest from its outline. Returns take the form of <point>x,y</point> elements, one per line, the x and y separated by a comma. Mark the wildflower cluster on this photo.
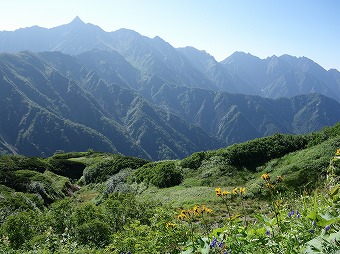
<point>218,246</point>
<point>215,243</point>
<point>269,183</point>
<point>292,212</point>
<point>195,219</point>
<point>195,211</point>
<point>235,191</point>
<point>227,196</point>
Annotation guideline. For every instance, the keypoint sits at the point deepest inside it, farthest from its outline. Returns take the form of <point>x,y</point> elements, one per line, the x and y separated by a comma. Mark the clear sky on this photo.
<point>262,28</point>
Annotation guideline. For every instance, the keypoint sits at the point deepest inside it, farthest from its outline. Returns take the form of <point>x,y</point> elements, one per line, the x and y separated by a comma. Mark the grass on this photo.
<point>89,193</point>
<point>91,159</point>
<point>181,196</point>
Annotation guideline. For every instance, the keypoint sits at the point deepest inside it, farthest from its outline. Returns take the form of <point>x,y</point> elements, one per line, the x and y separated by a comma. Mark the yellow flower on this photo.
<point>242,190</point>
<point>235,190</point>
<point>269,186</point>
<point>218,192</point>
<point>206,209</point>
<point>225,193</point>
<point>196,209</point>
<point>279,179</point>
<point>170,225</point>
<point>265,177</point>
<point>181,216</point>
<point>337,152</point>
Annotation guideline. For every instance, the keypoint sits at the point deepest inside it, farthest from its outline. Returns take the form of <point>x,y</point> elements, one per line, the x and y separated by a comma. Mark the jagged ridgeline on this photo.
<point>153,58</point>
<point>76,87</point>
<point>51,101</point>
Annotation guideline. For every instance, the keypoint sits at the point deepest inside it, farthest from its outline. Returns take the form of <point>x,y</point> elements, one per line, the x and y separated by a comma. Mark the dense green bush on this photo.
<point>18,162</point>
<point>326,133</point>
<point>122,208</point>
<point>258,151</point>
<point>193,161</point>
<point>95,233</point>
<point>161,174</point>
<point>20,227</point>
<point>118,182</point>
<point>89,225</point>
<point>11,163</point>
<point>48,185</point>
<point>166,175</point>
<point>68,168</point>
<point>101,171</point>
<point>12,202</point>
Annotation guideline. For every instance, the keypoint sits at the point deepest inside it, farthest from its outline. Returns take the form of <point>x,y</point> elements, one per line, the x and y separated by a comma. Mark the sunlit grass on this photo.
<point>181,196</point>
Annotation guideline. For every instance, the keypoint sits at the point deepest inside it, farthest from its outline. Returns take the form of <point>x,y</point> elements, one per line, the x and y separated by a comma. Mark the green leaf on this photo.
<point>334,191</point>
<point>261,231</point>
<point>266,220</point>
<point>218,231</point>
<point>312,215</point>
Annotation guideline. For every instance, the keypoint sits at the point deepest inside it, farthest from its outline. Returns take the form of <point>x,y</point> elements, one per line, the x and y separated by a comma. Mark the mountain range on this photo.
<point>76,87</point>
<point>273,77</point>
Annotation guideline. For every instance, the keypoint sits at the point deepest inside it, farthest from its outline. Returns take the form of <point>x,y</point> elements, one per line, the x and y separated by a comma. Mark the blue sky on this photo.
<point>262,28</point>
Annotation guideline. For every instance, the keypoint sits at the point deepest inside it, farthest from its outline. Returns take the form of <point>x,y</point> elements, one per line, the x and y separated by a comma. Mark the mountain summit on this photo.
<point>124,92</point>
<point>77,21</point>
<point>273,77</point>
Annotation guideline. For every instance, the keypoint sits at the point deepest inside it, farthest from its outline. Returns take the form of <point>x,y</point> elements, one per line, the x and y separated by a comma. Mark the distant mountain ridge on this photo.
<point>43,111</point>
<point>52,101</point>
<point>126,93</point>
<point>273,77</point>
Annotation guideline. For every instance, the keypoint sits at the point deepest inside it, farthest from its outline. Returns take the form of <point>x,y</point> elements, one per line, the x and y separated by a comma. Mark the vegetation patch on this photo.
<point>223,201</point>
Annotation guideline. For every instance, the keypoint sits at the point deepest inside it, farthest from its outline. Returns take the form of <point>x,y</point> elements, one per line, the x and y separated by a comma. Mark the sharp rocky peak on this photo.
<point>77,21</point>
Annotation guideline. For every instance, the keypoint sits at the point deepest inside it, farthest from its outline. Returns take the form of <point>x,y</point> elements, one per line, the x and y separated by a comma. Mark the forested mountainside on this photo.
<point>43,111</point>
<point>53,101</point>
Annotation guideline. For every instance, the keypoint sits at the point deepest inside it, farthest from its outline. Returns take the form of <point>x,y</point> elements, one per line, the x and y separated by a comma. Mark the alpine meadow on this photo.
<point>115,142</point>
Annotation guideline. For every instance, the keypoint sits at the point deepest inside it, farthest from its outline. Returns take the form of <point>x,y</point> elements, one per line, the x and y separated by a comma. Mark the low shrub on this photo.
<point>162,175</point>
